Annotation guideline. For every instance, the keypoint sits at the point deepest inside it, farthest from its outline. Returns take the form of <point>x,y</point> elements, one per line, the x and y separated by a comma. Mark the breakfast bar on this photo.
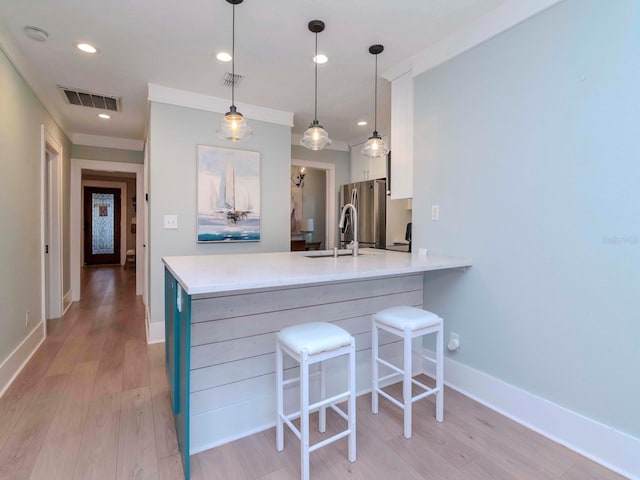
<point>222,313</point>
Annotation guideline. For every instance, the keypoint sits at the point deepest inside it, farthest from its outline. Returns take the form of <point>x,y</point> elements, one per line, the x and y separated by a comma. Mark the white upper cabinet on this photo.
<point>359,164</point>
<point>365,168</point>
<point>402,136</point>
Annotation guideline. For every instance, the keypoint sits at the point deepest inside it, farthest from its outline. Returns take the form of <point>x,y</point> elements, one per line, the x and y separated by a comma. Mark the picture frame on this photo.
<point>228,195</point>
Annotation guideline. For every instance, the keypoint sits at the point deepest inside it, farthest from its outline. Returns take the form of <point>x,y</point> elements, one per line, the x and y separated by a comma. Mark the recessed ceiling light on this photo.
<point>86,48</point>
<point>35,33</point>
<point>362,123</point>
<point>104,115</point>
<point>320,59</point>
<point>223,57</point>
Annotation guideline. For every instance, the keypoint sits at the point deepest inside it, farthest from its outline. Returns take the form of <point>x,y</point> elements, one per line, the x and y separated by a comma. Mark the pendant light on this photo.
<point>375,146</point>
<point>233,125</point>
<point>316,137</point>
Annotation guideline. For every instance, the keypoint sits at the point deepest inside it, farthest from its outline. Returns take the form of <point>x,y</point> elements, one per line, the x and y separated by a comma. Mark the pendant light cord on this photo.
<point>375,100</point>
<point>315,60</point>
<point>233,56</point>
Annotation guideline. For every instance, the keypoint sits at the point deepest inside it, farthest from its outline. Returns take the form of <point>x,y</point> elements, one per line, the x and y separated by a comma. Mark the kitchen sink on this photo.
<point>329,253</point>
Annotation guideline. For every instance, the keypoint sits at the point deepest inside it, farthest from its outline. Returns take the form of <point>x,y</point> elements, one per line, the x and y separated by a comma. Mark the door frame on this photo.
<point>330,211</point>
<point>122,186</point>
<point>75,222</point>
<point>51,209</point>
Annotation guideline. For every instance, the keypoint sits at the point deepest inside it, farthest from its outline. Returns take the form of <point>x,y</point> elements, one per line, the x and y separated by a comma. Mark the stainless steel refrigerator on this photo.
<point>370,200</point>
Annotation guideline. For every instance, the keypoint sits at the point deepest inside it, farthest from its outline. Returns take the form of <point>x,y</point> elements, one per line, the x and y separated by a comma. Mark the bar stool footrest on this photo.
<point>340,412</point>
<point>329,401</point>
<point>431,391</point>
<point>329,440</point>
<point>390,398</point>
<point>391,366</point>
<point>293,428</point>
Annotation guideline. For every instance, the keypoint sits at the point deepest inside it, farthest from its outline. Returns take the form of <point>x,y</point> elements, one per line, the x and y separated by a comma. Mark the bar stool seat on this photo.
<point>407,323</point>
<point>407,317</point>
<point>310,343</point>
<point>315,337</point>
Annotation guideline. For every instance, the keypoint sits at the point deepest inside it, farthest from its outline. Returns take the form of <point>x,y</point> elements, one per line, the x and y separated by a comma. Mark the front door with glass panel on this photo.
<point>101,225</point>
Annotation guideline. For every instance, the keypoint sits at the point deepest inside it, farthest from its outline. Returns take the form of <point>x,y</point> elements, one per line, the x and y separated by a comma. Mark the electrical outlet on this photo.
<point>454,342</point>
<point>27,319</point>
<point>170,222</point>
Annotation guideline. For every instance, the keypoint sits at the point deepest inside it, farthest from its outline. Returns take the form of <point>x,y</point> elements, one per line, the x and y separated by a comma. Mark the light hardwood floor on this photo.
<point>93,403</point>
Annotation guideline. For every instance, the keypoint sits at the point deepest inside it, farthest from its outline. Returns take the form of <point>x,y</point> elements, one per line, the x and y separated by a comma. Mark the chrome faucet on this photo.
<point>354,221</point>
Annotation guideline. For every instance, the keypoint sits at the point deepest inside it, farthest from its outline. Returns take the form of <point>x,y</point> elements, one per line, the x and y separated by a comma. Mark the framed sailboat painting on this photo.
<point>228,195</point>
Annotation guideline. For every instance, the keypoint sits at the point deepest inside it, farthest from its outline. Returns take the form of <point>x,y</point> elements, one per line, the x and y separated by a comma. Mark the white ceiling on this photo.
<point>173,44</point>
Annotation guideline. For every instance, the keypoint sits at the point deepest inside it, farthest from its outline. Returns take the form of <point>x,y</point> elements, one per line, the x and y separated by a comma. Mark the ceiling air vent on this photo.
<point>228,79</point>
<point>83,98</point>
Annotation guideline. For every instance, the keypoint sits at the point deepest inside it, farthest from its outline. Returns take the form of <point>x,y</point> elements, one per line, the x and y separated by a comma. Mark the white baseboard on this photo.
<point>15,362</point>
<point>66,302</point>
<point>155,330</point>
<point>611,448</point>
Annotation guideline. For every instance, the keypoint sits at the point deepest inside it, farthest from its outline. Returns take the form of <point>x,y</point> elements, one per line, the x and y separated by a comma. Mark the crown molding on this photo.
<point>107,142</point>
<point>338,145</point>
<point>398,70</point>
<point>199,101</point>
<point>493,23</point>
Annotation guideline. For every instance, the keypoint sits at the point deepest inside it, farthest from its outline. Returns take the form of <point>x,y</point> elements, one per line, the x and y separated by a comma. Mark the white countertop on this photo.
<point>201,274</point>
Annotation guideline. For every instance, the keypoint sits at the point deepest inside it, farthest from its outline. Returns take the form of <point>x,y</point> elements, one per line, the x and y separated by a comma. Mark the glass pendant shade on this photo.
<point>315,137</point>
<point>234,126</point>
<point>375,147</point>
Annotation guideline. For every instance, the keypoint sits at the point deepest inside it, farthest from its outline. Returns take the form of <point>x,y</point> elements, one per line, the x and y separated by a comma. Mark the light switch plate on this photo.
<point>435,212</point>
<point>171,222</point>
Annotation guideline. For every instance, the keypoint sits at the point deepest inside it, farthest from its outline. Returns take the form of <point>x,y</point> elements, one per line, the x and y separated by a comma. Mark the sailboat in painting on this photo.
<point>234,207</point>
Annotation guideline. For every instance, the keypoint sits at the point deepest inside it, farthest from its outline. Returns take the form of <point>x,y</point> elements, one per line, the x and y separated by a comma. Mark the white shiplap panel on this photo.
<point>206,309</point>
<point>232,350</point>
<point>224,373</point>
<point>265,385</point>
<point>234,371</point>
<point>249,367</point>
<point>232,328</point>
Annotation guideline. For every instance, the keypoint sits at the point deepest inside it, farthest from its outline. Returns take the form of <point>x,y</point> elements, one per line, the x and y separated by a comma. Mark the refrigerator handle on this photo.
<point>389,173</point>
<point>376,213</point>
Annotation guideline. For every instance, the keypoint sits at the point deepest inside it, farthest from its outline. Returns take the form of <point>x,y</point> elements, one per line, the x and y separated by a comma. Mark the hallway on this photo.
<point>93,401</point>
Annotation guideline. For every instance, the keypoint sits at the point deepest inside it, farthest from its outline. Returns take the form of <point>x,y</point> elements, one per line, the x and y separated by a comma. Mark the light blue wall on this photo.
<point>21,116</point>
<point>342,161</point>
<point>530,144</point>
<point>107,154</point>
<point>174,135</point>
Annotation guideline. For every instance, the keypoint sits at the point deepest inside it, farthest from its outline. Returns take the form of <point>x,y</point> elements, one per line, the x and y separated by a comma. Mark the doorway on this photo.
<point>101,226</point>
<point>76,220</point>
<point>308,208</point>
<point>51,226</point>
<point>327,215</point>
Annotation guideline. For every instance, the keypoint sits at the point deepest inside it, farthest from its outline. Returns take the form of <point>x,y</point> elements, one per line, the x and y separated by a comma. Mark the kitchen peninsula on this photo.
<point>222,313</point>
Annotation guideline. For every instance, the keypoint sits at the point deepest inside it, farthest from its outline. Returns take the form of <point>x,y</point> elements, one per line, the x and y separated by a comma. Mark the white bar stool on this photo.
<point>408,323</point>
<point>130,259</point>
<point>310,343</point>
